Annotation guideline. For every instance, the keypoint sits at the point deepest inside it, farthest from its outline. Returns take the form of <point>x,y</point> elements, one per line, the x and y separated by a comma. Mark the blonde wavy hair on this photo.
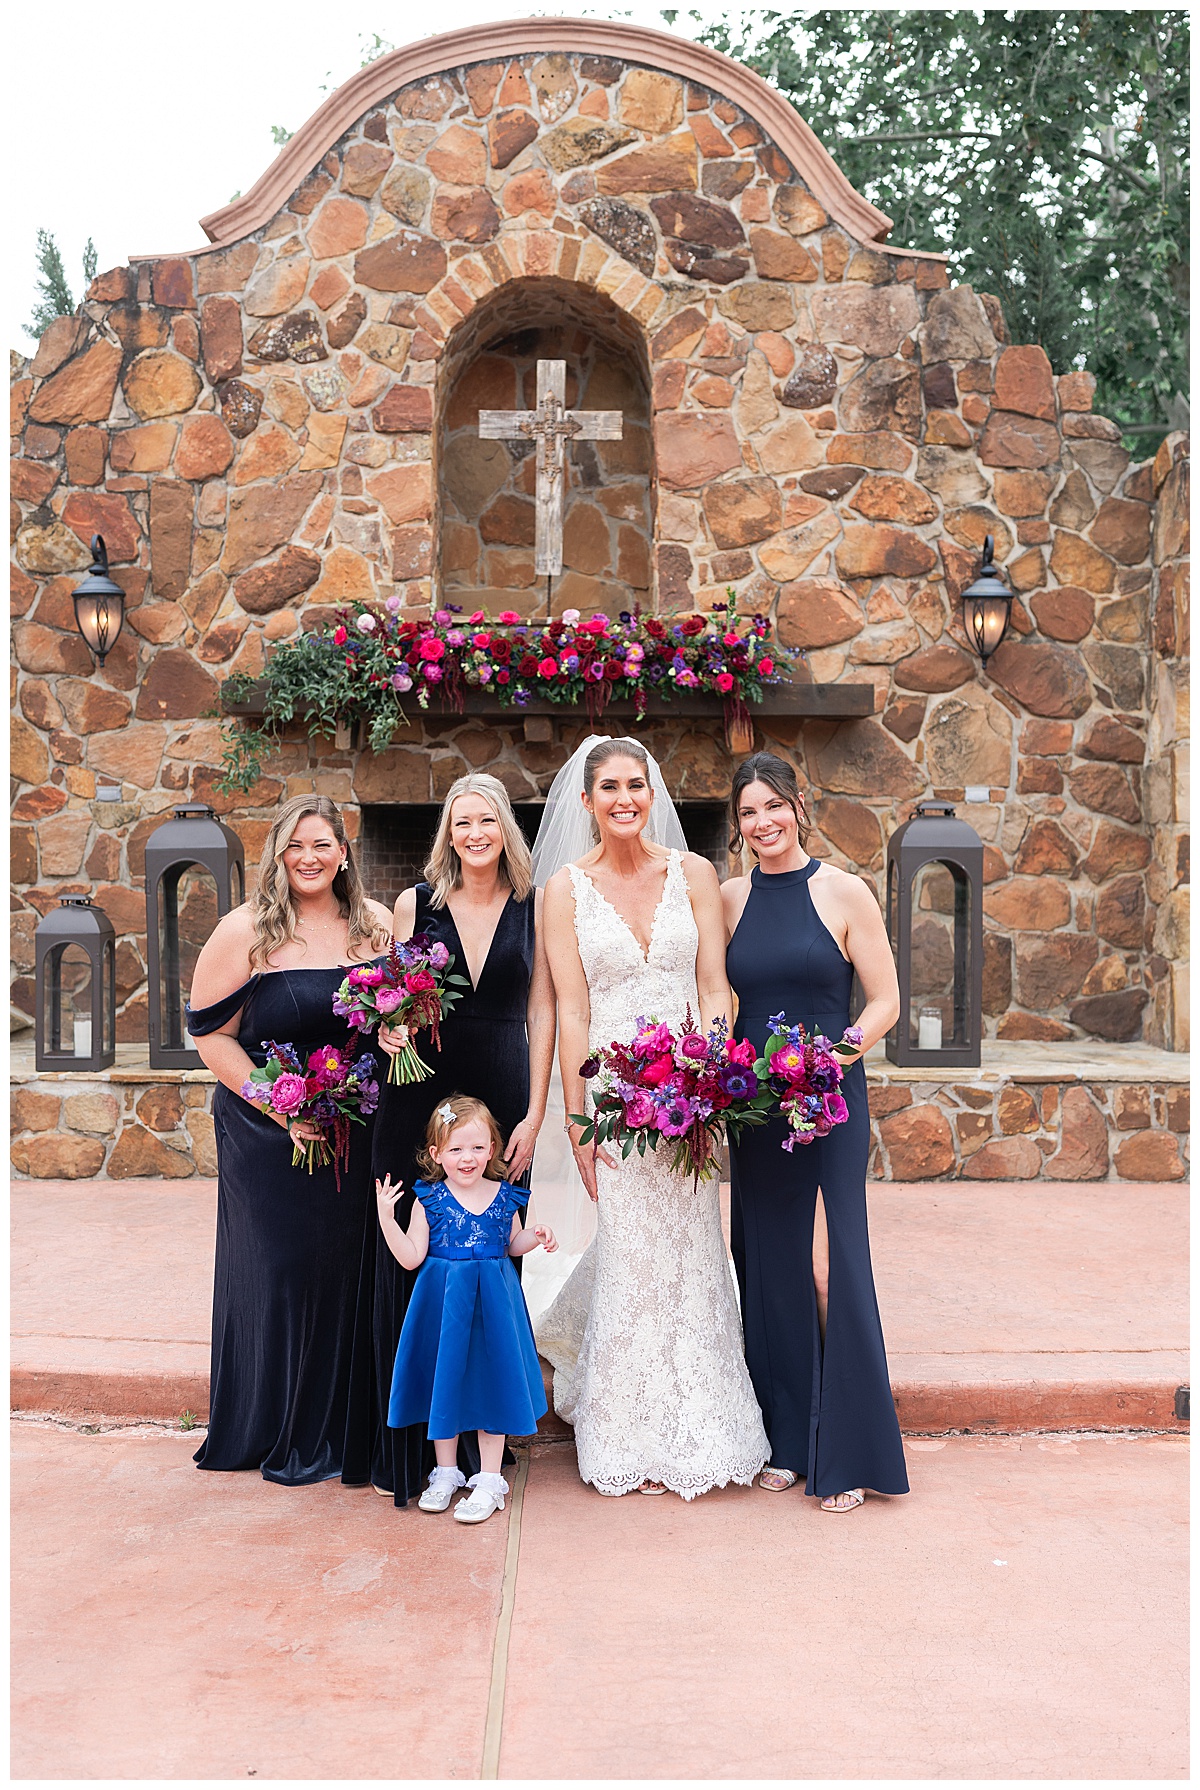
<point>272,905</point>
<point>443,872</point>
<point>447,1116</point>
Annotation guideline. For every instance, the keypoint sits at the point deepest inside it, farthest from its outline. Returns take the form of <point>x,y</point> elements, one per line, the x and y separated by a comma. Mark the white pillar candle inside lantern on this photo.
<point>929,1029</point>
<point>83,1037</point>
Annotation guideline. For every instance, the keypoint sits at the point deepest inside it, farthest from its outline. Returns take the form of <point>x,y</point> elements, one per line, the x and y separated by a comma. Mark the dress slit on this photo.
<point>849,1435</point>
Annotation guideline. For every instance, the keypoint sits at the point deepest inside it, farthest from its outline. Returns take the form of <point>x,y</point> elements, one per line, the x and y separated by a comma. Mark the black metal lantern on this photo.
<point>195,872</point>
<point>987,606</point>
<point>99,604</point>
<point>935,924</point>
<point>76,1010</point>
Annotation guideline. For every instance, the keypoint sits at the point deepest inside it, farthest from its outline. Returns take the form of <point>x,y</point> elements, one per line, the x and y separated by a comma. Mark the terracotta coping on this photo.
<point>494,42</point>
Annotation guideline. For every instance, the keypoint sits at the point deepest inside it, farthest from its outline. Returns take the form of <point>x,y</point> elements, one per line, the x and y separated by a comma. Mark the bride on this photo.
<point>644,1337</point>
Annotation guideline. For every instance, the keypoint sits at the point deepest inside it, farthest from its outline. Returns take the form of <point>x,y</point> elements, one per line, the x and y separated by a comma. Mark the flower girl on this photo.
<point>466,1358</point>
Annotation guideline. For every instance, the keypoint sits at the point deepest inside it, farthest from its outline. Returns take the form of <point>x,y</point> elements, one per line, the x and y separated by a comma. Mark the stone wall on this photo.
<point>1026,1127</point>
<point>123,1123</point>
<point>269,427</point>
<point>1169,873</point>
<point>134,1121</point>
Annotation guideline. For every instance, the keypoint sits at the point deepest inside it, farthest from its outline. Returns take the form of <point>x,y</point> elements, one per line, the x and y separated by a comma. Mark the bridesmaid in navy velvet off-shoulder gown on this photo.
<point>288,1249</point>
<point>288,1243</point>
<point>814,1343</point>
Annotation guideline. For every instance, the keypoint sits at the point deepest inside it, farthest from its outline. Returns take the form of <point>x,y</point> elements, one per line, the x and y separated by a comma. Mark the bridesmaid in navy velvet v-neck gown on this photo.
<point>826,1401</point>
<point>485,1052</point>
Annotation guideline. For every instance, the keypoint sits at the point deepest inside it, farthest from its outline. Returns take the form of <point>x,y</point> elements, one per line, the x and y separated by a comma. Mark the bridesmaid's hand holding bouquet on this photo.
<point>326,1095</point>
<point>412,990</point>
<point>803,1074</point>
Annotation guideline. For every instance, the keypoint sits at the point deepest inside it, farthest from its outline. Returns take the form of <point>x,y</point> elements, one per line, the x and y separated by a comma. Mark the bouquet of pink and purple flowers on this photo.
<point>332,1090</point>
<point>411,990</point>
<point>802,1074</point>
<point>679,1086</point>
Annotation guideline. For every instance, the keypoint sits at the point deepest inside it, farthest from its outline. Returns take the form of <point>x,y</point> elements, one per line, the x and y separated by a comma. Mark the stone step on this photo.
<point>1018,1308</point>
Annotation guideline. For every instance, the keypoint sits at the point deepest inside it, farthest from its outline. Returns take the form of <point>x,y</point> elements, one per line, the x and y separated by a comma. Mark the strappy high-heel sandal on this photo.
<point>777,1479</point>
<point>856,1498</point>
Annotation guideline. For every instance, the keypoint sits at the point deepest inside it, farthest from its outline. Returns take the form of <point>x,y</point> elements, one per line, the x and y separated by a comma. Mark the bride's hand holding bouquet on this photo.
<point>679,1087</point>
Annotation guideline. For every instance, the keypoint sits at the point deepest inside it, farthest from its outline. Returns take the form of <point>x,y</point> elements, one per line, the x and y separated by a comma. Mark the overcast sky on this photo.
<point>130,124</point>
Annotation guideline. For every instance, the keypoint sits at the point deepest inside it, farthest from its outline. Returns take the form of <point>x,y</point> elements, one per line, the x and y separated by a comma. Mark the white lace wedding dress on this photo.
<point>645,1337</point>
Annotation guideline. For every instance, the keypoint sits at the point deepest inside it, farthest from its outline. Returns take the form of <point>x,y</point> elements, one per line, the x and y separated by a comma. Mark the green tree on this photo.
<point>55,298</point>
<point>1046,153</point>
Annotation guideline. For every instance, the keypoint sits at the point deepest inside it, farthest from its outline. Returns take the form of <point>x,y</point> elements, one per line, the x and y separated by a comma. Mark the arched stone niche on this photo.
<point>485,510</point>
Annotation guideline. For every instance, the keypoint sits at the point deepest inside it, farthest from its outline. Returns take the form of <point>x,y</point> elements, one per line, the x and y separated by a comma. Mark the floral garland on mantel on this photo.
<point>358,670</point>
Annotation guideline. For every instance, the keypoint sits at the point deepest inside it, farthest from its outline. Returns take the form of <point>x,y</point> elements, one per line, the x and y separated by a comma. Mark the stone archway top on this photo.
<point>597,37</point>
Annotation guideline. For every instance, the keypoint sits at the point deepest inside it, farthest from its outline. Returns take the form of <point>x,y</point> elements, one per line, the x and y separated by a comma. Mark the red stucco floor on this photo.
<point>1004,1306</point>
<point>1022,1614</point>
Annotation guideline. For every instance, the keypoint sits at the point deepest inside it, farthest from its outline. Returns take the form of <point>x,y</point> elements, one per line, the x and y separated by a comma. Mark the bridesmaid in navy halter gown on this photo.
<point>288,1243</point>
<point>497,1045</point>
<point>798,931</point>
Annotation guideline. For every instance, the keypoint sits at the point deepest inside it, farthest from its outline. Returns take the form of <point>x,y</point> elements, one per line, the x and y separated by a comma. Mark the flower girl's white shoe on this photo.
<point>489,1491</point>
<point>443,1483</point>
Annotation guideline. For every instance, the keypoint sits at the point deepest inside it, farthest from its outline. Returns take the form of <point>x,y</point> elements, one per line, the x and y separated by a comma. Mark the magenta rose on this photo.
<point>741,1051</point>
<point>639,1109</point>
<point>659,1071</point>
<point>288,1094</point>
<point>693,1046</point>
<point>419,982</point>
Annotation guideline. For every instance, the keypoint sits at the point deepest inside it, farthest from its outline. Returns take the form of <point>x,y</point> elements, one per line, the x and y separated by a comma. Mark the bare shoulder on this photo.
<point>700,873</point>
<point>224,963</point>
<point>379,914</point>
<point>557,889</point>
<point>734,891</point>
<point>403,916</point>
<point>852,891</point>
<point>234,931</point>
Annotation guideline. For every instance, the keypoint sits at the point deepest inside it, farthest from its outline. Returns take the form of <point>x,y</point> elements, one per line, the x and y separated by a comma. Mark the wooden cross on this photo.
<point>550,425</point>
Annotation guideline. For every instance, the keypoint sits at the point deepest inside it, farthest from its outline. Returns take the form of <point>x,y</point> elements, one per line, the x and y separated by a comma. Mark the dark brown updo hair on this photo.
<point>777,774</point>
<point>600,755</point>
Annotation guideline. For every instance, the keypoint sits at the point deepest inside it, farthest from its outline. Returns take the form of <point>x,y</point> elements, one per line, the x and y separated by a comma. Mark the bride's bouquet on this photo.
<point>412,990</point>
<point>332,1090</point>
<point>681,1087</point>
<point>802,1074</point>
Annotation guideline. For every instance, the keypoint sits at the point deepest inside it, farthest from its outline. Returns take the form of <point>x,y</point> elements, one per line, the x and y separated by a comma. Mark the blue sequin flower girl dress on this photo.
<point>467,1359</point>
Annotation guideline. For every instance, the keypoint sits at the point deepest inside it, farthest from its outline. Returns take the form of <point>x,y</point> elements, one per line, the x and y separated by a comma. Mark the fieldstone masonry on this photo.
<point>268,427</point>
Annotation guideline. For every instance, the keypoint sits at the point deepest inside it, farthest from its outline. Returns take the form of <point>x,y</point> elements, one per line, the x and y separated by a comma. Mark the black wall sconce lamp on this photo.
<point>99,604</point>
<point>987,606</point>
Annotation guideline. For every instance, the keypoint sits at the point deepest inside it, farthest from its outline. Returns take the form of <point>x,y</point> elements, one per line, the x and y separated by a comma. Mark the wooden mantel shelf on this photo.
<point>826,702</point>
